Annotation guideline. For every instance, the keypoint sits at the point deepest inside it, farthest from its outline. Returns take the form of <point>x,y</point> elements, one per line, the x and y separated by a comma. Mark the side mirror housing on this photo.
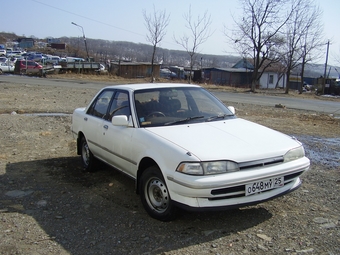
<point>232,109</point>
<point>122,120</point>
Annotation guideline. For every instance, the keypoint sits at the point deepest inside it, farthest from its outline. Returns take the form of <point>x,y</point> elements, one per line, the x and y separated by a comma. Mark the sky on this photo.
<point>123,21</point>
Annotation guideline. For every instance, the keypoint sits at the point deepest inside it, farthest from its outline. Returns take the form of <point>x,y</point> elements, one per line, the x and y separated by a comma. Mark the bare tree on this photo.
<point>312,41</point>
<point>156,25</point>
<point>303,35</point>
<point>337,58</point>
<point>199,34</point>
<point>257,33</point>
<point>294,32</point>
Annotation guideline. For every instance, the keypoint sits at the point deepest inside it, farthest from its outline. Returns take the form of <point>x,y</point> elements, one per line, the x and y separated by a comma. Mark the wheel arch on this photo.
<point>143,165</point>
<point>79,137</point>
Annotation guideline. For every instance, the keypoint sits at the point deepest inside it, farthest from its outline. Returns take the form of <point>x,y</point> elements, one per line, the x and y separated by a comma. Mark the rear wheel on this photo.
<point>155,195</point>
<point>87,158</point>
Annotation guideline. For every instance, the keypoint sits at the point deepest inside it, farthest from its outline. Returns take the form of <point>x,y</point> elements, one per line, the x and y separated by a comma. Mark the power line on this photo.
<point>84,17</point>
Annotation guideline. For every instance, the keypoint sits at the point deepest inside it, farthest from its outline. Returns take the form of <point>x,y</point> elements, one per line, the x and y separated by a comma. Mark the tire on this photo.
<point>87,159</point>
<point>1,72</point>
<point>155,196</point>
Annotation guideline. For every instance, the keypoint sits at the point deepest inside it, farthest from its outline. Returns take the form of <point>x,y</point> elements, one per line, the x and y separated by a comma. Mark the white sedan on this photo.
<point>185,149</point>
<point>6,68</point>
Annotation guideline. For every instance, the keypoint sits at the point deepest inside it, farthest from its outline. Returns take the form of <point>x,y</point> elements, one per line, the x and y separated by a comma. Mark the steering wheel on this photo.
<point>155,114</point>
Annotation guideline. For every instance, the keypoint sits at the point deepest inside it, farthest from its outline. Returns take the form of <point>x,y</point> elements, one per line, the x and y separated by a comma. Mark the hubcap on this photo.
<point>86,154</point>
<point>157,195</point>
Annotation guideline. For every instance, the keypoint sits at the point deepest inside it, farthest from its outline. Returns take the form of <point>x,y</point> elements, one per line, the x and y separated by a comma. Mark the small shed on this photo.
<point>134,69</point>
<point>272,80</point>
<point>237,77</point>
<point>273,77</point>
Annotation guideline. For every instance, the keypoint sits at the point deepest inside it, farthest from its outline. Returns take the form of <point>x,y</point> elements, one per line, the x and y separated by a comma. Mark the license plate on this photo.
<point>263,185</point>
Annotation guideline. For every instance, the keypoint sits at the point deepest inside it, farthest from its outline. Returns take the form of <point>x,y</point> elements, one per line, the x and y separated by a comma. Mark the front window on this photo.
<point>120,105</point>
<point>175,106</point>
<point>100,106</point>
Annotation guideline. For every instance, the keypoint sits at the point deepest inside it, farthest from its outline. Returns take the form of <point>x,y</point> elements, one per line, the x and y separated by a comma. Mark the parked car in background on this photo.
<point>54,60</point>
<point>15,53</point>
<point>37,57</point>
<point>3,59</point>
<point>2,50</point>
<point>8,52</point>
<point>6,67</point>
<point>167,74</point>
<point>72,59</point>
<point>28,67</point>
<point>185,149</point>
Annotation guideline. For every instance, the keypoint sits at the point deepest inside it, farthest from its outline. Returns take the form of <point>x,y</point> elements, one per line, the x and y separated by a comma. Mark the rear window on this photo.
<point>29,63</point>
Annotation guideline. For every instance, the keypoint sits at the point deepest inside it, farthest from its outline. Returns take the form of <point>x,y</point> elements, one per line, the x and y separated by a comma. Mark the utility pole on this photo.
<point>87,52</point>
<point>201,71</point>
<point>324,76</point>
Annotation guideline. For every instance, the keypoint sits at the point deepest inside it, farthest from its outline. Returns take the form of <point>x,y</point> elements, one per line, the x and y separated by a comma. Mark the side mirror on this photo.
<point>232,109</point>
<point>120,120</point>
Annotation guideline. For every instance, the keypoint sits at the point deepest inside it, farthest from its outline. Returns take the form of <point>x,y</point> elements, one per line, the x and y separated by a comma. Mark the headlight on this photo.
<point>294,154</point>
<point>208,168</point>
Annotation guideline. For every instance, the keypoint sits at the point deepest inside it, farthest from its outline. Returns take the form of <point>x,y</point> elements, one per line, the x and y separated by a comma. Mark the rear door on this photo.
<point>94,118</point>
<point>32,67</point>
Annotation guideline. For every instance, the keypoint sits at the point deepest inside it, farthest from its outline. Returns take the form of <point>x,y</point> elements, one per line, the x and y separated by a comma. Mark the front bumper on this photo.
<point>228,190</point>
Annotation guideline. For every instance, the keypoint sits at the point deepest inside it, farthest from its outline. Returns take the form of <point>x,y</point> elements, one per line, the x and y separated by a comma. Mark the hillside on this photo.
<point>128,51</point>
<point>102,50</point>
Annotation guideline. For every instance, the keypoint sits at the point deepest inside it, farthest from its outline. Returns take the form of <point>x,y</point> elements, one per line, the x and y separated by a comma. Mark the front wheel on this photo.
<point>155,195</point>
<point>87,158</point>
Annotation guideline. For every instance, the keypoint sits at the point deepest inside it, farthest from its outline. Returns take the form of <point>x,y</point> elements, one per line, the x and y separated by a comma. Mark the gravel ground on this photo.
<point>48,206</point>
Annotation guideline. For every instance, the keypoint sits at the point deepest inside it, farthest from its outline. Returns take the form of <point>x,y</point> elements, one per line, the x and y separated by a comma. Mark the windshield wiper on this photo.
<point>222,116</point>
<point>183,120</point>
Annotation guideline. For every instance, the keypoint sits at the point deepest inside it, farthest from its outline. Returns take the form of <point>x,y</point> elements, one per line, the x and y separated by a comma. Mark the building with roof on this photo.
<point>25,43</point>
<point>134,69</point>
<point>240,75</point>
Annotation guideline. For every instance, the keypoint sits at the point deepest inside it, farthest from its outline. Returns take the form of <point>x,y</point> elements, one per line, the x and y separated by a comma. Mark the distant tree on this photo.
<point>303,35</point>
<point>200,33</point>
<point>156,25</point>
<point>336,58</point>
<point>257,33</point>
<point>312,40</point>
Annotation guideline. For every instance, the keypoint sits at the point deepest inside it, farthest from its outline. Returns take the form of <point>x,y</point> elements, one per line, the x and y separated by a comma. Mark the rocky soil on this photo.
<point>48,206</point>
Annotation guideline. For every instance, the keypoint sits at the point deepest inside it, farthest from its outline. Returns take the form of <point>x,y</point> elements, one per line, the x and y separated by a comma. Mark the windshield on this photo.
<point>175,106</point>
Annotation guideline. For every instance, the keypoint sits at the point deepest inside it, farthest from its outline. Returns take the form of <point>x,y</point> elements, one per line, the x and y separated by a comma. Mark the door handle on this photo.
<point>85,118</point>
<point>106,126</point>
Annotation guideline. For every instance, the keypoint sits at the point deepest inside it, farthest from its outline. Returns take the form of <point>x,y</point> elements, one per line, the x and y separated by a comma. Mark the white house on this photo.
<point>272,80</point>
<point>273,77</point>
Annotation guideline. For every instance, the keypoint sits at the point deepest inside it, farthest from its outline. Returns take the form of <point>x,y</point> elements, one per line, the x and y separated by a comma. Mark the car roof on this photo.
<point>140,86</point>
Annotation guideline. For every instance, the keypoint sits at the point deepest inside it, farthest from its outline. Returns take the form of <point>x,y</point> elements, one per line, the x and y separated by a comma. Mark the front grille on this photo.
<point>260,163</point>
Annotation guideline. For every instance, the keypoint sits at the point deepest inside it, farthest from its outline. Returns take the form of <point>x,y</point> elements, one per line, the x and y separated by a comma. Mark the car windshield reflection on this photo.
<point>166,106</point>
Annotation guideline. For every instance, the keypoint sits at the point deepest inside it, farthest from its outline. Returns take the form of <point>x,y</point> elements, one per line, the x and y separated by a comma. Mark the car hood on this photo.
<point>233,139</point>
